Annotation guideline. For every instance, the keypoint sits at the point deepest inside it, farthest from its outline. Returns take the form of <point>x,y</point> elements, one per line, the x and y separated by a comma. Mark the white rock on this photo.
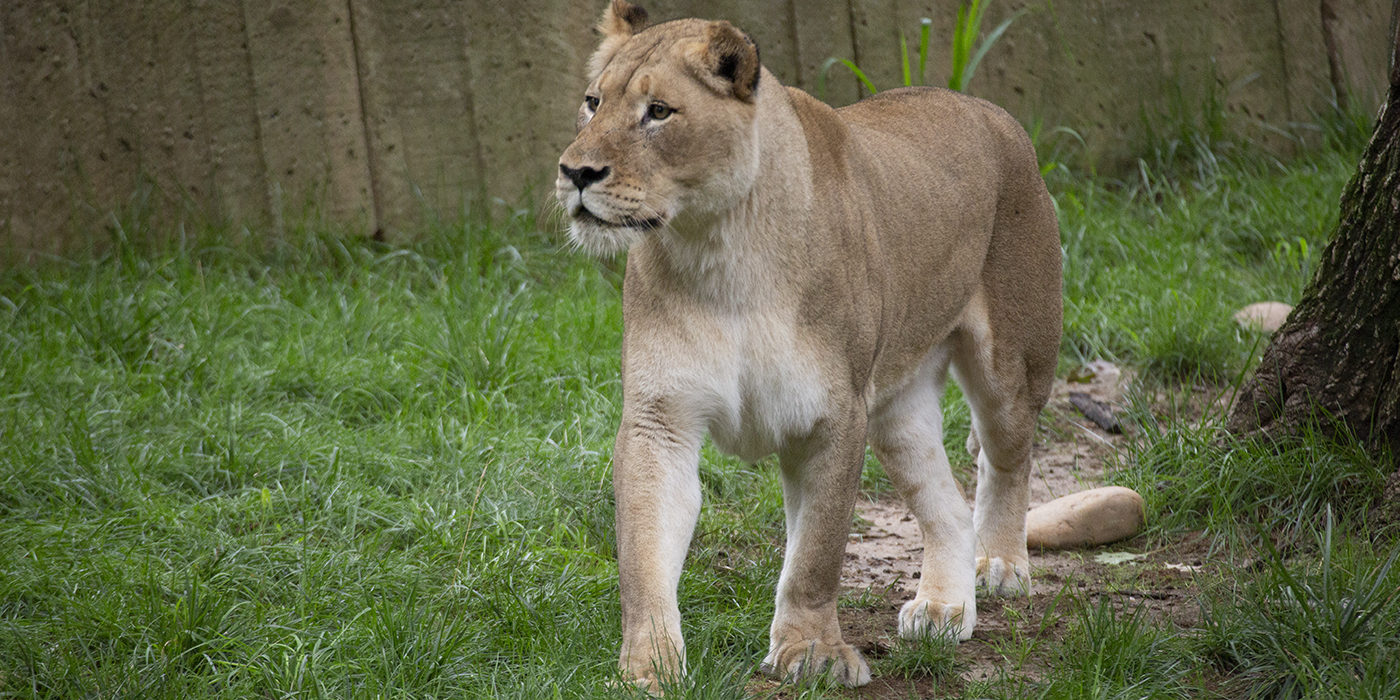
<point>1266,316</point>
<point>1100,379</point>
<point>1117,558</point>
<point>1105,373</point>
<point>1084,519</point>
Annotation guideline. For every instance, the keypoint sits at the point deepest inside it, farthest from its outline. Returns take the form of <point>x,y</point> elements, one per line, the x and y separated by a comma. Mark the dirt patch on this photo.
<point>880,572</point>
<point>1013,639</point>
<point>886,550</point>
<point>1013,636</point>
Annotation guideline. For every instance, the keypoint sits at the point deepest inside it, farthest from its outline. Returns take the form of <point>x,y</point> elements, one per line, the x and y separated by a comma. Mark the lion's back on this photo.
<point>954,127</point>
<point>953,189</point>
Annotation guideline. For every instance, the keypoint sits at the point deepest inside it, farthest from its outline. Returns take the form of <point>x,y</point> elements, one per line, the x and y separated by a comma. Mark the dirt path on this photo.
<point>883,555</point>
<point>882,561</point>
<point>887,553</point>
<point>1069,458</point>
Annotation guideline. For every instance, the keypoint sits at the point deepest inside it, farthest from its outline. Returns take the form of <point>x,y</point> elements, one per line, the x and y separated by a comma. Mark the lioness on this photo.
<point>799,281</point>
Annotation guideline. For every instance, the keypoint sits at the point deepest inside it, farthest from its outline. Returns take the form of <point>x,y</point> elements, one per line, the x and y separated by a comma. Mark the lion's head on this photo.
<point>666,126</point>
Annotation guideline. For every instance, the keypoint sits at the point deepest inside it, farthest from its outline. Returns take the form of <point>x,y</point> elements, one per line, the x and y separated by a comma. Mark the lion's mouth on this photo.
<point>586,216</point>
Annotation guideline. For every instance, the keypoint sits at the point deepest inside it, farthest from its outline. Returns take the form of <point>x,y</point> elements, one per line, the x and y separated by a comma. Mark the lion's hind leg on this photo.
<point>907,437</point>
<point>1005,385</point>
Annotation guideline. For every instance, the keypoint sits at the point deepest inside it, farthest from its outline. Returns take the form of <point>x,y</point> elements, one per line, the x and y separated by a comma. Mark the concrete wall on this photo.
<point>375,113</point>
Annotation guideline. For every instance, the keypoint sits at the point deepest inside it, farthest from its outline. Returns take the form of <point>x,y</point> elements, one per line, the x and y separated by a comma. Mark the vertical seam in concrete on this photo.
<point>1283,64</point>
<point>473,130</point>
<point>1334,65</point>
<point>855,45</point>
<point>212,199</point>
<point>795,37</point>
<point>370,152</point>
<point>9,176</point>
<point>274,208</point>
<point>85,68</point>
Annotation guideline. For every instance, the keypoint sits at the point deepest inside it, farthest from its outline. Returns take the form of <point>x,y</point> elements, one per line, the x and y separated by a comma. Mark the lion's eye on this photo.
<point>591,102</point>
<point>658,111</point>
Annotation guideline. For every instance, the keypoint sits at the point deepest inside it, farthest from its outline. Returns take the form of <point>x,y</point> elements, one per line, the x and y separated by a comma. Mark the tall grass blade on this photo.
<point>986,46</point>
<point>826,69</point>
<point>904,60</point>
<point>925,25</point>
<point>960,33</point>
<point>860,74</point>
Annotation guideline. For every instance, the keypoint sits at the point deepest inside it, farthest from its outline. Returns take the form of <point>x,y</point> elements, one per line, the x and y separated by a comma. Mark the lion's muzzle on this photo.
<point>584,176</point>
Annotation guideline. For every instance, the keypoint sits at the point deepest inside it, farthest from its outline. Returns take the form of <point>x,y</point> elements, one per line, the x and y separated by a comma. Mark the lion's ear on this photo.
<point>622,18</point>
<point>728,60</point>
<point>619,22</point>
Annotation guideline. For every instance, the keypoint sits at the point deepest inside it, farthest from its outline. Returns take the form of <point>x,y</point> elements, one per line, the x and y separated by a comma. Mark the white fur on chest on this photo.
<point>778,389</point>
<point>752,380</point>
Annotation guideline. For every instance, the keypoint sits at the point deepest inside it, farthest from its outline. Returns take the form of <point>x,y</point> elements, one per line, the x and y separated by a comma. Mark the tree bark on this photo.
<point>1336,361</point>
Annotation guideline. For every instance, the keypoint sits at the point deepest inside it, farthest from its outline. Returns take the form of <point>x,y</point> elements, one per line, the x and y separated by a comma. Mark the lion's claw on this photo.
<point>813,658</point>
<point>1004,578</point>
<point>922,617</point>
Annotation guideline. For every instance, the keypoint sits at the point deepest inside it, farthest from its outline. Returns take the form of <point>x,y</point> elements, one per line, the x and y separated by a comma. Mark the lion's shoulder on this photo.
<point>826,134</point>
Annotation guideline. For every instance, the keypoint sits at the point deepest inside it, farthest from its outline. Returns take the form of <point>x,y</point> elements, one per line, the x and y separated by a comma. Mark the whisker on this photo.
<point>652,214</point>
<point>554,217</point>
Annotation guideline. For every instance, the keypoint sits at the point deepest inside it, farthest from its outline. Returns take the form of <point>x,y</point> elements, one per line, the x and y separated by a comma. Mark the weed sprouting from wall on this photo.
<point>1185,143</point>
<point>1346,126</point>
<point>967,51</point>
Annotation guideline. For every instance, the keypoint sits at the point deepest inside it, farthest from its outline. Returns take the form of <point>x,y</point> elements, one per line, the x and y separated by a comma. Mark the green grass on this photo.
<point>1323,628</point>
<point>929,656</point>
<point>1155,267</point>
<point>1195,476</point>
<point>303,465</point>
<point>1114,650</point>
<point>329,468</point>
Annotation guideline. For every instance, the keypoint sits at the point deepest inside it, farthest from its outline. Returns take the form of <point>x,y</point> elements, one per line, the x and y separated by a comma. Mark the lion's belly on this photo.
<point>776,390</point>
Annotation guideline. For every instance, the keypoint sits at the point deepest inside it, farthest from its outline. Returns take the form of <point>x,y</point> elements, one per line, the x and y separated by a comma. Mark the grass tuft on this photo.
<point>930,656</point>
<point>1116,651</point>
<point>1323,627</point>
<point>1194,476</point>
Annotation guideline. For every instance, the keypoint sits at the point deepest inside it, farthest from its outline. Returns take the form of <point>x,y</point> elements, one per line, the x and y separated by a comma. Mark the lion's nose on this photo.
<point>585,176</point>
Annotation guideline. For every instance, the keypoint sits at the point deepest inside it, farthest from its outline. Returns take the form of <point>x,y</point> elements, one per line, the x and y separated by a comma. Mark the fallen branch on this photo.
<point>1095,411</point>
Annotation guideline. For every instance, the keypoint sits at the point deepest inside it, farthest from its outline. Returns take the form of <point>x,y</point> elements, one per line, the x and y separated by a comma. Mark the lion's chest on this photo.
<point>771,385</point>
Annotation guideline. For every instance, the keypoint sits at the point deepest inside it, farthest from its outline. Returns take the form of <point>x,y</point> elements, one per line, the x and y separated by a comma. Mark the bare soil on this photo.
<point>882,560</point>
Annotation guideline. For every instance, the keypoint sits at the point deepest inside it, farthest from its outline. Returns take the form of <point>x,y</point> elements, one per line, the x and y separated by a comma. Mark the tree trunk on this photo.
<point>1336,361</point>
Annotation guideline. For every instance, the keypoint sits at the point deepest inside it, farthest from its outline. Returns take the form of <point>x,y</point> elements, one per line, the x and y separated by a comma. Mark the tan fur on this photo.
<point>619,22</point>
<point>799,282</point>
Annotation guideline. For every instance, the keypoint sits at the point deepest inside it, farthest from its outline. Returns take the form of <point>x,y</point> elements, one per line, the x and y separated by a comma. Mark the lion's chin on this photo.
<point>603,239</point>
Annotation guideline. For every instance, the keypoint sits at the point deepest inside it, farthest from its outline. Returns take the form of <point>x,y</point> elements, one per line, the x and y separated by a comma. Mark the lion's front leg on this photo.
<point>820,479</point>
<point>657,488</point>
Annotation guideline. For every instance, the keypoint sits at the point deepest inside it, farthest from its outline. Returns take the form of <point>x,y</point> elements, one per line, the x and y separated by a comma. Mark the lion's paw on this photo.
<point>651,672</point>
<point>922,617</point>
<point>1004,578</point>
<point>649,685</point>
<point>811,658</point>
